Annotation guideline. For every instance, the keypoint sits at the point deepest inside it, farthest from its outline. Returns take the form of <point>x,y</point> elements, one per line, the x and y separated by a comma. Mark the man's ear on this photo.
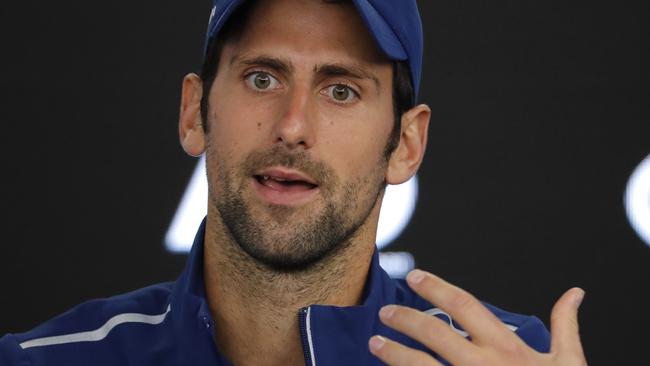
<point>407,157</point>
<point>190,129</point>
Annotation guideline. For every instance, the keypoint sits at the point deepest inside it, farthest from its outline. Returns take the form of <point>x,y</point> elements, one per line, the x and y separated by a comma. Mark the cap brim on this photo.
<point>381,31</point>
<point>224,9</point>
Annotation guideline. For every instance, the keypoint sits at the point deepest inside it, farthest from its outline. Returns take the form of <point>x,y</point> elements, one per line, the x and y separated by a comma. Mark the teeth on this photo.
<point>266,177</point>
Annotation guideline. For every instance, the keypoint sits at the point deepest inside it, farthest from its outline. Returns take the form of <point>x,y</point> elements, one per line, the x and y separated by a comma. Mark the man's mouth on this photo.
<point>282,186</point>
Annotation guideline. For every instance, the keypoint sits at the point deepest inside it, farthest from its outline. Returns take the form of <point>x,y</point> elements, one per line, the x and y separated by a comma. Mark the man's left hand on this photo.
<point>492,344</point>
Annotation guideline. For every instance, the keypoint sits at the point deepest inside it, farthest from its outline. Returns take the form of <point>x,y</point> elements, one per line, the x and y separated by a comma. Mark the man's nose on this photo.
<point>295,126</point>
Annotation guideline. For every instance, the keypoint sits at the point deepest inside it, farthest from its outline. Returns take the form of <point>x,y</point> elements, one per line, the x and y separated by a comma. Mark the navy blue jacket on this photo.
<point>170,324</point>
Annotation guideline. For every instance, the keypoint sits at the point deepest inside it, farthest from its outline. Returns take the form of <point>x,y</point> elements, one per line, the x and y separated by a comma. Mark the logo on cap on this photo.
<point>214,10</point>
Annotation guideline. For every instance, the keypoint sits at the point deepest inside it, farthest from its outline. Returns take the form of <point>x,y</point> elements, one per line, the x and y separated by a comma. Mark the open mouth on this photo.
<point>284,184</point>
<point>285,187</point>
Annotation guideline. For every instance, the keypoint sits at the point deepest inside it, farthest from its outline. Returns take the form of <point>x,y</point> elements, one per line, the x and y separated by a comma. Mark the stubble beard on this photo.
<point>287,239</point>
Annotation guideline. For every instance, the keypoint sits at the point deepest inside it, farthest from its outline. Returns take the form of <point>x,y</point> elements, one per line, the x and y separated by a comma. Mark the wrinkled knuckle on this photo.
<point>516,354</point>
<point>425,328</point>
<point>462,301</point>
<point>571,320</point>
<point>515,351</point>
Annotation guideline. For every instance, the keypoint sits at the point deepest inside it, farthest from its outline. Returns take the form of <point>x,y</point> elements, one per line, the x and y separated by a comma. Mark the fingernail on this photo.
<point>376,343</point>
<point>387,311</point>
<point>579,297</point>
<point>415,276</point>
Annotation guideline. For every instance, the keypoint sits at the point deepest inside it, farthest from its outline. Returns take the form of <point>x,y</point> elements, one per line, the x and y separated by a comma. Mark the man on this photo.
<point>305,110</point>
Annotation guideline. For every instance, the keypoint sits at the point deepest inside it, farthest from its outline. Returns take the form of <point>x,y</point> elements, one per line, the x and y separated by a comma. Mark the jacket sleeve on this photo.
<point>11,354</point>
<point>535,334</point>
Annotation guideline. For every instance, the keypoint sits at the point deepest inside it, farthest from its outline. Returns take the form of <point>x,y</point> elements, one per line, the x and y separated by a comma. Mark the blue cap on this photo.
<point>394,24</point>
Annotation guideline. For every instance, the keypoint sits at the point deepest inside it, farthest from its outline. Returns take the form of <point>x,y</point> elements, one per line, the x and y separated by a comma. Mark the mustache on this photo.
<point>301,160</point>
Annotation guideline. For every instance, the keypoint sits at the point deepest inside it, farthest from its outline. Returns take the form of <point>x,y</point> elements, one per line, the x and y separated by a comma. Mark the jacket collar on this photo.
<point>190,316</point>
<point>341,334</point>
<point>335,331</point>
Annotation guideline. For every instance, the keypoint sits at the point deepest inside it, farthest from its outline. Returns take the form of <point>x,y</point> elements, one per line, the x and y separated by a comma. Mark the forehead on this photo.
<point>329,30</point>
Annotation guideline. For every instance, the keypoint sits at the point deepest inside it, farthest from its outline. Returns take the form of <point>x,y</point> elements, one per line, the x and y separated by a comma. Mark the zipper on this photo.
<point>305,334</point>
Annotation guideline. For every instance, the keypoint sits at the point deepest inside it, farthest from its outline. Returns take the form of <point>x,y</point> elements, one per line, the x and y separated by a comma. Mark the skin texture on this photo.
<point>264,261</point>
<point>273,260</point>
<point>492,343</point>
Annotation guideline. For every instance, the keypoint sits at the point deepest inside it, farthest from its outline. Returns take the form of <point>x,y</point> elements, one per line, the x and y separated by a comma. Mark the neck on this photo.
<point>255,308</point>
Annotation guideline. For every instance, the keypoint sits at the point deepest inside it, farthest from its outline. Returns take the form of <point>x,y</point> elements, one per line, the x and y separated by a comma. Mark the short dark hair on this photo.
<point>403,93</point>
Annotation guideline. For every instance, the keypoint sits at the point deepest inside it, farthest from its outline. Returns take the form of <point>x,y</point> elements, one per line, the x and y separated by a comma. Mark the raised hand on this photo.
<point>492,343</point>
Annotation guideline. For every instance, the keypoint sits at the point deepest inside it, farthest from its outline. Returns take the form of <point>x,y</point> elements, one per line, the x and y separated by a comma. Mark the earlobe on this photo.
<point>190,129</point>
<point>407,157</point>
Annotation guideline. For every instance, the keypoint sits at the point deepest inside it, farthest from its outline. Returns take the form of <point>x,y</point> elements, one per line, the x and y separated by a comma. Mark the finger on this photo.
<point>432,332</point>
<point>396,354</point>
<point>565,334</point>
<point>476,319</point>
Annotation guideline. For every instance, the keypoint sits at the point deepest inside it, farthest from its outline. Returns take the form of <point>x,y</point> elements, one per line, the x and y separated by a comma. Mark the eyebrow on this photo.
<point>285,66</point>
<point>346,70</point>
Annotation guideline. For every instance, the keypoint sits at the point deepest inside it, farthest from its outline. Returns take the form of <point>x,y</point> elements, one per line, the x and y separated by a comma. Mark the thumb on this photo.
<point>565,335</point>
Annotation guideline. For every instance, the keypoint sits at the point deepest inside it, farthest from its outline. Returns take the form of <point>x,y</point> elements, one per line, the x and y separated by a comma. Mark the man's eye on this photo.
<point>261,81</point>
<point>341,93</point>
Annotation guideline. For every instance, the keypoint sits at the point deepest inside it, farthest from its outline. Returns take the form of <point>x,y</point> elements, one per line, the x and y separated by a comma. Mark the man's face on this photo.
<point>299,115</point>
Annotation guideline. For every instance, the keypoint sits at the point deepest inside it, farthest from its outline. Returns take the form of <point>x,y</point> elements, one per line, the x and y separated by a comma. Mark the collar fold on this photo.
<point>335,331</point>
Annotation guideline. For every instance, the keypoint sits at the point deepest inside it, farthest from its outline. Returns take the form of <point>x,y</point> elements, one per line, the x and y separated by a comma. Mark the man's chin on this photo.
<point>285,260</point>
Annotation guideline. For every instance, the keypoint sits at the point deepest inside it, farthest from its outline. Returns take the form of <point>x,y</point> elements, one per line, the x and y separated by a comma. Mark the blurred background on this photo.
<point>541,114</point>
